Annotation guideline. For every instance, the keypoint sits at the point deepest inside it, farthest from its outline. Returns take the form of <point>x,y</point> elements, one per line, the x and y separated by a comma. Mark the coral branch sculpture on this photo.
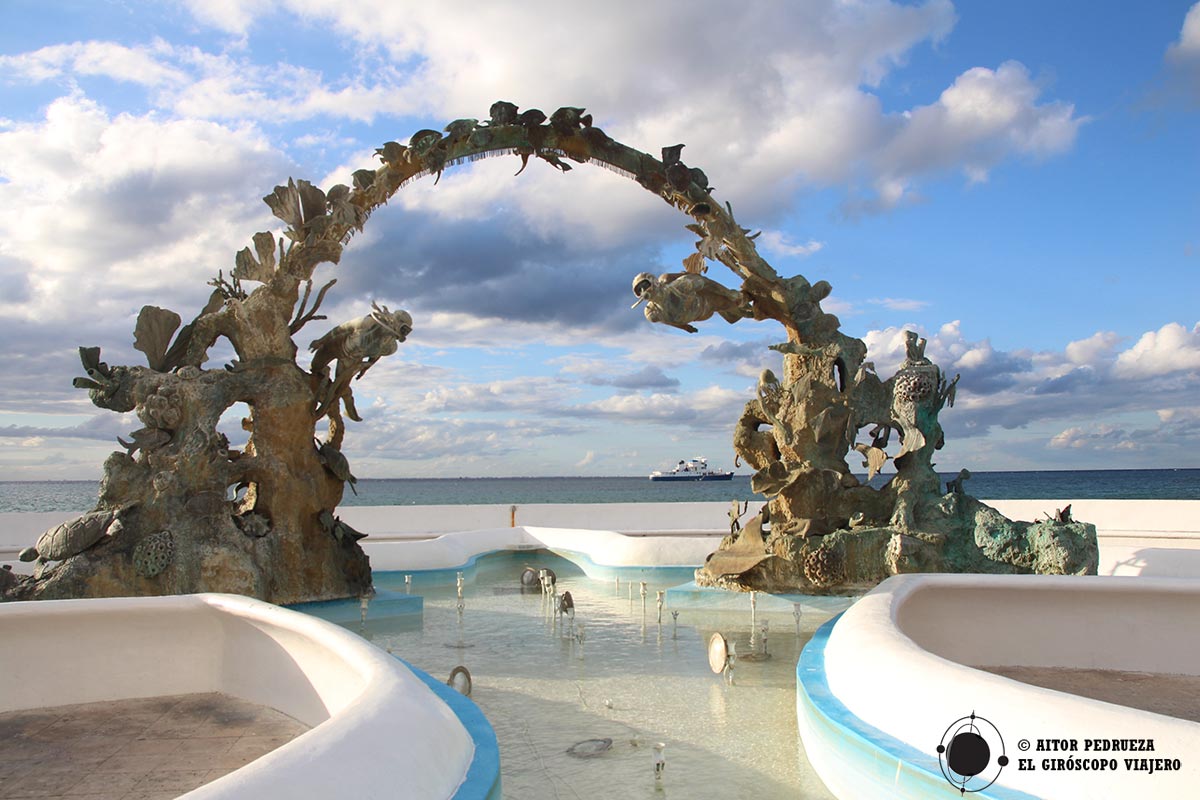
<point>180,511</point>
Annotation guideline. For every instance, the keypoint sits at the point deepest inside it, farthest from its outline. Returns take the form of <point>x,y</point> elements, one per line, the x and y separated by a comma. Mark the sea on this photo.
<point>1148,484</point>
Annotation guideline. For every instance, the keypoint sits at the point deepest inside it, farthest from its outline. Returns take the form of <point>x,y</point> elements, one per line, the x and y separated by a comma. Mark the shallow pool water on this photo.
<point>632,680</point>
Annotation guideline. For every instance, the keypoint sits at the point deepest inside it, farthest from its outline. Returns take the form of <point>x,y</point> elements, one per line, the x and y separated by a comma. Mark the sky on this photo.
<point>1019,182</point>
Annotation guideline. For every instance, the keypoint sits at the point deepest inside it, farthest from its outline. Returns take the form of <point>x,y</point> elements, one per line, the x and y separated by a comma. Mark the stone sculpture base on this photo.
<point>207,553</point>
<point>958,534</point>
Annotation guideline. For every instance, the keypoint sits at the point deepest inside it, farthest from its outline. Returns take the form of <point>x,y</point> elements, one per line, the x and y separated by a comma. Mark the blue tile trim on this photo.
<point>384,603</point>
<point>483,776</point>
<point>394,579</point>
<point>894,767</point>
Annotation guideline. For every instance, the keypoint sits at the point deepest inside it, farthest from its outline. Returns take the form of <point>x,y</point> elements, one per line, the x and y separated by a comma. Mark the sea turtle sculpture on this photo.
<point>336,462</point>
<point>71,537</point>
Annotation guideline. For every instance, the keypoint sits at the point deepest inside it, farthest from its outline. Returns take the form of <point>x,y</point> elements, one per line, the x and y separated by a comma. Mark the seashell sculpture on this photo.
<point>153,554</point>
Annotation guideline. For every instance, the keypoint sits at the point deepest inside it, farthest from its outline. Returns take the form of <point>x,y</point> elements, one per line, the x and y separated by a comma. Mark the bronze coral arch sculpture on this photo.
<point>163,523</point>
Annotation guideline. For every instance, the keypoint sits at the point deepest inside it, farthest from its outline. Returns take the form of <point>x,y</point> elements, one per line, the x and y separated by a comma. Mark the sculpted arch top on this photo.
<point>165,523</point>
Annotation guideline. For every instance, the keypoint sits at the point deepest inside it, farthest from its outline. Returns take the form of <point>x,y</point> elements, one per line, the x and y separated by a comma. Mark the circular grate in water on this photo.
<point>589,748</point>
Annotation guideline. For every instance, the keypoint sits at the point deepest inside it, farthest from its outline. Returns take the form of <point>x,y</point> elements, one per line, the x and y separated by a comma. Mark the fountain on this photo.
<point>543,691</point>
<point>364,603</point>
<point>165,522</point>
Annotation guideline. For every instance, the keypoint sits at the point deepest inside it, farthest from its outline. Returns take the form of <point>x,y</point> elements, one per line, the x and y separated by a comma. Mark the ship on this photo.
<point>694,469</point>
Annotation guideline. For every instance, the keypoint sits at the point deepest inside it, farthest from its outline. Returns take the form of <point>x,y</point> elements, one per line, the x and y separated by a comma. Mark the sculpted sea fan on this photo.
<point>299,204</point>
<point>152,334</point>
<point>247,268</point>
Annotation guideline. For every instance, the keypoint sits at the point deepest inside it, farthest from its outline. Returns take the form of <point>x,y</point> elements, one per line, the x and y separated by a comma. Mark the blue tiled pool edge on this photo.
<point>441,576</point>
<point>882,765</point>
<point>384,603</point>
<point>393,579</point>
<point>482,781</point>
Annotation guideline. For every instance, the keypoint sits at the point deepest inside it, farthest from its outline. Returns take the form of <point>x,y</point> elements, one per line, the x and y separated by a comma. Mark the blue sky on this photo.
<point>1017,181</point>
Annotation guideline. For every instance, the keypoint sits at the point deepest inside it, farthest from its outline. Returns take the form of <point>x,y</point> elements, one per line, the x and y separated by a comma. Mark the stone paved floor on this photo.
<point>147,749</point>
<point>1172,695</point>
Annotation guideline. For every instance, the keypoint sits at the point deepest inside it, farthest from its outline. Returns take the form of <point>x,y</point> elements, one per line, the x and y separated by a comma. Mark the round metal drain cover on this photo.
<point>589,748</point>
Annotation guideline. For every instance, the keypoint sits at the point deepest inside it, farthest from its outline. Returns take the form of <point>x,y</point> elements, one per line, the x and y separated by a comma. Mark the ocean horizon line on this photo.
<point>645,475</point>
<point>1171,483</point>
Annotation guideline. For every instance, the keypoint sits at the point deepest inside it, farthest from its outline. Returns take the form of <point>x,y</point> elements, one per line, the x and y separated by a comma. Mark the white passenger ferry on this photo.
<point>694,469</point>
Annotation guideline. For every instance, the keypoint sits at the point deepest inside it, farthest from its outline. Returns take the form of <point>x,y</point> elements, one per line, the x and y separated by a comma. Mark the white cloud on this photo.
<point>449,447</point>
<point>1172,348</point>
<point>707,407</point>
<point>1180,85</point>
<point>228,87</point>
<point>140,65</point>
<point>798,107</point>
<point>1100,438</point>
<point>195,84</point>
<point>1187,47</point>
<point>778,243</point>
<point>100,208</point>
<point>1136,407</point>
<point>1091,351</point>
<point>533,395</point>
<point>1191,415</point>
<point>596,206</point>
<point>985,117</point>
<point>799,104</point>
<point>899,303</point>
<point>119,209</point>
<point>231,16</point>
<point>588,458</point>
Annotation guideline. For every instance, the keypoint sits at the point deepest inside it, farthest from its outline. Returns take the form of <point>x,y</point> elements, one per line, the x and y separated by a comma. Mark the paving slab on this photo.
<point>139,749</point>
<point>1170,695</point>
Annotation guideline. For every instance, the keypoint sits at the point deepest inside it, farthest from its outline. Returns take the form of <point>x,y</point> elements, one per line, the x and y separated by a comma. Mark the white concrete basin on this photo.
<point>593,551</point>
<point>900,670</point>
<point>376,729</point>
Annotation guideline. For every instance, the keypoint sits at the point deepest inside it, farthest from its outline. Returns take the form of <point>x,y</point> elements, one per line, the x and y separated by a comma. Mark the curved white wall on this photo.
<point>377,732</point>
<point>900,660</point>
<point>1154,538</point>
<point>602,548</point>
<point>1140,626</point>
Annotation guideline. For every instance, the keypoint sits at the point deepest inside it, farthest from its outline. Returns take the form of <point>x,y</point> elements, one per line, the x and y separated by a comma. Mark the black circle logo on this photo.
<point>965,754</point>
